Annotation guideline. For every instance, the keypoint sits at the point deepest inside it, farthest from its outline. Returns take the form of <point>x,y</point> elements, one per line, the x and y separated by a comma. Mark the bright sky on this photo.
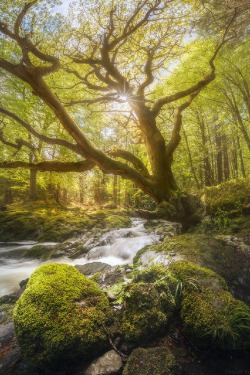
<point>63,8</point>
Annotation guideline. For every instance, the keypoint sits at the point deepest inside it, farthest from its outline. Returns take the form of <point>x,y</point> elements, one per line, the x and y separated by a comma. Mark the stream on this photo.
<point>114,247</point>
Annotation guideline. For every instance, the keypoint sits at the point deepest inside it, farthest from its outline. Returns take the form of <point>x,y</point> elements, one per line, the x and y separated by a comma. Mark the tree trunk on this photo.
<point>242,165</point>
<point>219,158</point>
<point>33,180</point>
<point>8,195</point>
<point>225,158</point>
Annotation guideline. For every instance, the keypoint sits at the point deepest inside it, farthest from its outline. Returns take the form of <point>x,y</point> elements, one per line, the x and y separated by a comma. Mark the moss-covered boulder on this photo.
<point>60,316</point>
<point>216,320</point>
<point>192,276</point>
<point>154,274</point>
<point>40,252</point>
<point>149,304</point>
<point>212,317</point>
<point>152,361</point>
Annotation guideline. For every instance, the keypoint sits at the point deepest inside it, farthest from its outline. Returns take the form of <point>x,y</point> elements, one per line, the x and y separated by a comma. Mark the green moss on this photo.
<point>59,318</point>
<point>216,320</point>
<point>230,195</point>
<point>6,312</point>
<point>117,221</point>
<point>155,274</point>
<point>192,275</point>
<point>39,252</point>
<point>152,361</point>
<point>148,308</point>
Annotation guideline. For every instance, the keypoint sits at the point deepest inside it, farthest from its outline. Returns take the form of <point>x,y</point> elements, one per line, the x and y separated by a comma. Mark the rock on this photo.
<point>109,363</point>
<point>92,268</point>
<point>9,298</point>
<point>6,332</point>
<point>23,283</point>
<point>212,318</point>
<point>60,316</point>
<point>216,320</point>
<point>152,361</point>
<point>9,357</point>
<point>40,251</point>
<point>149,304</point>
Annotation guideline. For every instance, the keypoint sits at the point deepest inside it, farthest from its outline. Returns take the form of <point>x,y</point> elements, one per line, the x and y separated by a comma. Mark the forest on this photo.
<point>124,187</point>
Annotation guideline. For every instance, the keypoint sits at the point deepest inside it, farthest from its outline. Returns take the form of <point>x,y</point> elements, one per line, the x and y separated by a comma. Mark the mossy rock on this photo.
<point>230,195</point>
<point>215,320</point>
<point>155,273</point>
<point>193,276</point>
<point>152,361</point>
<point>40,252</point>
<point>117,221</point>
<point>148,309</point>
<point>60,316</point>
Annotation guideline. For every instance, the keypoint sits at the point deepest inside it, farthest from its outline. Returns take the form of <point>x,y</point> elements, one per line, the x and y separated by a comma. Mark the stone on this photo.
<point>6,333</point>
<point>109,363</point>
<point>92,268</point>
<point>152,361</point>
<point>60,316</point>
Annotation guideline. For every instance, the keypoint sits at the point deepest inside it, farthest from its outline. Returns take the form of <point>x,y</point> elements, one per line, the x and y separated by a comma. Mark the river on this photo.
<point>114,247</point>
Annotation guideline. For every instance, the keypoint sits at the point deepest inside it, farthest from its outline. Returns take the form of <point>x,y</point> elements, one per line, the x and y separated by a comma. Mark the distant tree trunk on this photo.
<point>57,193</point>
<point>235,171</point>
<point>225,158</point>
<point>191,160</point>
<point>8,195</point>
<point>33,183</point>
<point>207,165</point>
<point>219,157</point>
<point>115,190</point>
<point>81,194</point>
<point>242,165</point>
<point>119,191</point>
<point>65,195</point>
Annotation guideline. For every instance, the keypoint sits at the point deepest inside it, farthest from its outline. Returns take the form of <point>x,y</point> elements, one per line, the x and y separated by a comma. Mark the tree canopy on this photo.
<point>108,85</point>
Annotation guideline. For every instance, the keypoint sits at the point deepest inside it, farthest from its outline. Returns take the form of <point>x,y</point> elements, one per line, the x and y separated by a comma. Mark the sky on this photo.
<point>63,8</point>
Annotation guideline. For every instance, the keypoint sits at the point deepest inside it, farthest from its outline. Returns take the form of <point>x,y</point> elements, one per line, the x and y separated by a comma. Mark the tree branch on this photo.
<point>44,138</point>
<point>131,158</point>
<point>51,166</point>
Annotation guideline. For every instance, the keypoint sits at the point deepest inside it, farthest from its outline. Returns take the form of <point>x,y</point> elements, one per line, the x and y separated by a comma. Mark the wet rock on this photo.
<point>109,363</point>
<point>152,361</point>
<point>9,298</point>
<point>6,332</point>
<point>9,356</point>
<point>23,283</point>
<point>92,268</point>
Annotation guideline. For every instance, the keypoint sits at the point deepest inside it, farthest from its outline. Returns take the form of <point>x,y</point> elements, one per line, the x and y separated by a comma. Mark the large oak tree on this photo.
<point>103,54</point>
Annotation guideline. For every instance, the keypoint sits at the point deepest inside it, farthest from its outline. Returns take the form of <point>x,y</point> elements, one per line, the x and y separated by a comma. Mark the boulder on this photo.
<point>149,304</point>
<point>60,316</point>
<point>92,268</point>
<point>152,361</point>
<point>107,364</point>
<point>212,318</point>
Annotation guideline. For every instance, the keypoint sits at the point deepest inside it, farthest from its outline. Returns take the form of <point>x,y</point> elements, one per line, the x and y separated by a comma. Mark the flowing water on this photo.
<point>114,247</point>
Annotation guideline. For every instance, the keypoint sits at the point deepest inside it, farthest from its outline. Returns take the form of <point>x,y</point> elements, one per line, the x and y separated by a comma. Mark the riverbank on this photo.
<point>186,318</point>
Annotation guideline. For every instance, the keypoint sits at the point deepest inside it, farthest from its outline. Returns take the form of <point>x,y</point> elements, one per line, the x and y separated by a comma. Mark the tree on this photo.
<point>96,56</point>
